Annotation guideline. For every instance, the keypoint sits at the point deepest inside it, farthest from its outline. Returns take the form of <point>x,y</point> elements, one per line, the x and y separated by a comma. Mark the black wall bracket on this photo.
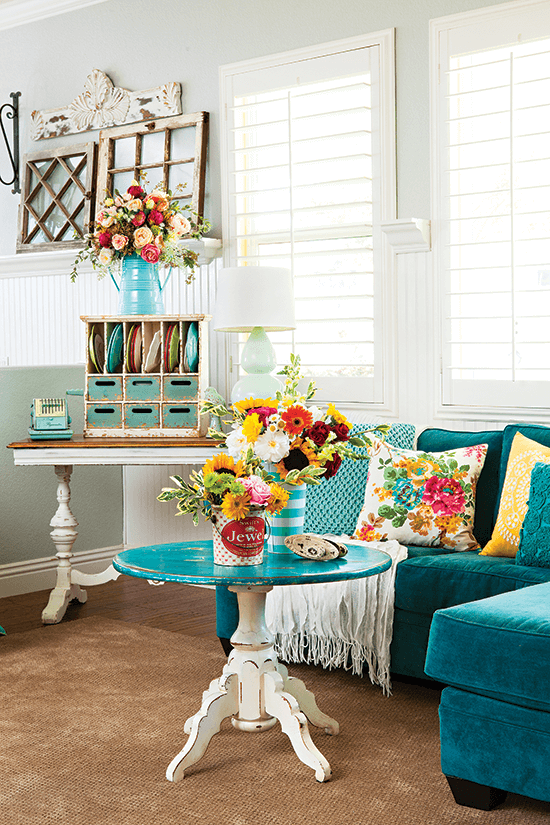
<point>11,112</point>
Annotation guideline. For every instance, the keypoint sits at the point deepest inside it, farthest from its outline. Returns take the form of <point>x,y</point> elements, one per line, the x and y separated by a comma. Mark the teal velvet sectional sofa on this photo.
<point>482,605</point>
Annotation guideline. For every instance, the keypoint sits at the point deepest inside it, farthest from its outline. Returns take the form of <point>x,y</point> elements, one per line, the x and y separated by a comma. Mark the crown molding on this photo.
<point>20,12</point>
<point>412,235</point>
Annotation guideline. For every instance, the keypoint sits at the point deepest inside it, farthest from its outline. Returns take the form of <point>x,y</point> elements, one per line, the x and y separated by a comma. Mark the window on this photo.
<point>307,180</point>
<point>491,205</point>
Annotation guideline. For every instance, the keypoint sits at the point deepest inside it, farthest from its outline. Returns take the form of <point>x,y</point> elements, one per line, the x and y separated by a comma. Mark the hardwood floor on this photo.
<point>180,608</point>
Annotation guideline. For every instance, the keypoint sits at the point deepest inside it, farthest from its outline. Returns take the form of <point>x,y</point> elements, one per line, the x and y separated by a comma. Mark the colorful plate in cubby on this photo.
<point>136,350</point>
<point>174,351</point>
<point>96,349</point>
<point>128,358</point>
<point>170,332</point>
<point>192,347</point>
<point>114,348</point>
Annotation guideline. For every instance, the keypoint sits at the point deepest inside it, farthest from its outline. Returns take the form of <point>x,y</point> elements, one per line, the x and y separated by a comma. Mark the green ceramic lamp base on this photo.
<point>259,360</point>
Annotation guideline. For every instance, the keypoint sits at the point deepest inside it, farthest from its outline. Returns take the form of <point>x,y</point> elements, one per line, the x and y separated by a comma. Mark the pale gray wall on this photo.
<point>141,45</point>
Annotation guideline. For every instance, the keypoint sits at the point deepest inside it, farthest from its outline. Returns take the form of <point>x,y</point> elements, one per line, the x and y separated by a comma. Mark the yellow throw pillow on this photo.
<point>524,454</point>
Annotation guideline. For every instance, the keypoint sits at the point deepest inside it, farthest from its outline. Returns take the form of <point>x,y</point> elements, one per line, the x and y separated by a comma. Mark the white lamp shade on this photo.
<point>254,296</point>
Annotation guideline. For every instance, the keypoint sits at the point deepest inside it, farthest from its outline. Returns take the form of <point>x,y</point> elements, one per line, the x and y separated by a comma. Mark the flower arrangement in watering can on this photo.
<point>138,231</point>
<point>235,496</point>
<point>300,443</point>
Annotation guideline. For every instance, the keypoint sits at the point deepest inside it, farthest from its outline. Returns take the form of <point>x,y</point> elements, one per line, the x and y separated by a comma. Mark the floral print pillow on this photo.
<point>426,499</point>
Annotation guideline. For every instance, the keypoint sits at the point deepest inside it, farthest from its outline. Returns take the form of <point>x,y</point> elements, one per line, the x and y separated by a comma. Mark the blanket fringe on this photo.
<point>332,653</point>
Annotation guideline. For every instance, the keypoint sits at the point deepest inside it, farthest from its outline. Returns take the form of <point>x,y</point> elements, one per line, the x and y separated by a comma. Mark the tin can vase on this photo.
<point>238,543</point>
<point>290,521</point>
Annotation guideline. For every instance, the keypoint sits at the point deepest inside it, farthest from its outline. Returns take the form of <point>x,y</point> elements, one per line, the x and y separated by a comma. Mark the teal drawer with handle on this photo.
<point>143,388</point>
<point>180,416</point>
<point>103,388</point>
<point>180,387</point>
<point>104,415</point>
<point>142,416</point>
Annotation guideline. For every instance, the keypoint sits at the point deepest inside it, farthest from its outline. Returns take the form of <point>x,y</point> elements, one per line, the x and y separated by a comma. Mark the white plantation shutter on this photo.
<point>302,140</point>
<point>493,207</point>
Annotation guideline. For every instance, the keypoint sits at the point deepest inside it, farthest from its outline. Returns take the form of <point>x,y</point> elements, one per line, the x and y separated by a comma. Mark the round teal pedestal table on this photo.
<point>254,690</point>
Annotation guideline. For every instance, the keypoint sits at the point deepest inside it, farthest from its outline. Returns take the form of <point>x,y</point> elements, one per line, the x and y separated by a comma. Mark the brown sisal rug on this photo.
<point>93,712</point>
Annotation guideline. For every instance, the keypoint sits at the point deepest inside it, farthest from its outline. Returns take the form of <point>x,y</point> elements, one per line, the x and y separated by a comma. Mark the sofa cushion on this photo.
<point>421,498</point>
<point>497,647</point>
<point>334,505</point>
<point>524,453</point>
<point>491,743</point>
<point>536,432</point>
<point>424,584</point>
<point>487,492</point>
<point>534,538</point>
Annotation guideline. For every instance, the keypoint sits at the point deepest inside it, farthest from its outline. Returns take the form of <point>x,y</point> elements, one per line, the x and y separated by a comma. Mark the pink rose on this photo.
<point>119,241</point>
<point>444,495</point>
<point>156,217</point>
<point>259,491</point>
<point>150,253</point>
<point>104,239</point>
<point>139,219</point>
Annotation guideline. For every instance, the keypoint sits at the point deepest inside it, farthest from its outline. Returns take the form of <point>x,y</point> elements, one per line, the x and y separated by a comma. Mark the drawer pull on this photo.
<point>138,382</point>
<point>105,409</point>
<point>175,382</point>
<point>142,409</point>
<point>180,410</point>
<point>104,383</point>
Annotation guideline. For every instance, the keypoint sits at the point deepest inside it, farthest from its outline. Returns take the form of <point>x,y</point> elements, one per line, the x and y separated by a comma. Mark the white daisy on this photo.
<point>236,442</point>
<point>272,446</point>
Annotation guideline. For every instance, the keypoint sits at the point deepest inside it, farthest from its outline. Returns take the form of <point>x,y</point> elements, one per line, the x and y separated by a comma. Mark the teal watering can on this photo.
<point>140,290</point>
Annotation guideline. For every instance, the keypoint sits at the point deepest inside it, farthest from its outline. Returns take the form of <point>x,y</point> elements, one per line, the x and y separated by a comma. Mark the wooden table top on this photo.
<point>78,441</point>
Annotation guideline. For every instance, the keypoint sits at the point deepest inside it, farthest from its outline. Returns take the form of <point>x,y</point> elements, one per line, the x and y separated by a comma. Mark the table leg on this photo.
<point>257,692</point>
<point>64,535</point>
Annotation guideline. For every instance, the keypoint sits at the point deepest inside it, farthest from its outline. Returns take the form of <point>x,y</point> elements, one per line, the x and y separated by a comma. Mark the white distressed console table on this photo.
<point>63,456</point>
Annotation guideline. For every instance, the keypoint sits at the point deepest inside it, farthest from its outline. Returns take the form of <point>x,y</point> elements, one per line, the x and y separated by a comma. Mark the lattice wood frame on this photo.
<point>85,155</point>
<point>106,157</point>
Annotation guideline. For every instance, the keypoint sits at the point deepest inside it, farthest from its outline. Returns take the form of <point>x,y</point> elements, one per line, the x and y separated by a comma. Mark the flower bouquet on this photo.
<point>149,225</point>
<point>300,444</point>
<point>235,496</point>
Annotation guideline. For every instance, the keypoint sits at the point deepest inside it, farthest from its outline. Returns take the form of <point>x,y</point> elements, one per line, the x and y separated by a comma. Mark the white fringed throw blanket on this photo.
<point>345,624</point>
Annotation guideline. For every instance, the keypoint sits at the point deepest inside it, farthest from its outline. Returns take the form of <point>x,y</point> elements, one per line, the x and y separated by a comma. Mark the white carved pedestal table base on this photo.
<point>256,691</point>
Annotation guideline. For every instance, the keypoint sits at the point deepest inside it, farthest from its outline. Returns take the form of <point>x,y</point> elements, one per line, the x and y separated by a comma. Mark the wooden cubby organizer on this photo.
<point>130,397</point>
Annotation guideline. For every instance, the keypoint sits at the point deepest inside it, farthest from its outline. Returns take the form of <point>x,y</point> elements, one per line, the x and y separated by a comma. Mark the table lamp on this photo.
<point>257,300</point>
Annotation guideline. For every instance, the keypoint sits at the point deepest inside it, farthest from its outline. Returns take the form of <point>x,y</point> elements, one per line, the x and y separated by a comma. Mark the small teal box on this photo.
<point>105,388</point>
<point>104,415</point>
<point>142,416</point>
<point>181,387</point>
<point>180,416</point>
<point>143,388</point>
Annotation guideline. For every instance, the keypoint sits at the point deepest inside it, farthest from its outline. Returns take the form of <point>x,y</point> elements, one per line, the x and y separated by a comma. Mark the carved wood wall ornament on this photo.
<point>103,104</point>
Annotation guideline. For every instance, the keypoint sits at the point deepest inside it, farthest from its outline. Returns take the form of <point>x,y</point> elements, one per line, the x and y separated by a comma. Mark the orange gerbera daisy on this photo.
<point>297,419</point>
<point>278,500</point>
<point>235,505</point>
<point>223,463</point>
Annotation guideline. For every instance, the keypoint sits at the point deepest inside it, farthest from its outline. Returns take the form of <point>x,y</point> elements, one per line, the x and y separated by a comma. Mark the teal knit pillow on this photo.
<point>334,505</point>
<point>534,537</point>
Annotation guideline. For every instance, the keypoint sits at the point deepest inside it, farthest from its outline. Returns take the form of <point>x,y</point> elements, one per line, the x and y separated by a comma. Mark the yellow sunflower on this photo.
<point>337,416</point>
<point>252,427</point>
<point>236,505</point>
<point>223,463</point>
<point>278,500</point>
<point>253,404</point>
<point>300,456</point>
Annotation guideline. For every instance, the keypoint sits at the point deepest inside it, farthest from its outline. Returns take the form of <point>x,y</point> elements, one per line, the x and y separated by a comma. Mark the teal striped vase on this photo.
<point>290,521</point>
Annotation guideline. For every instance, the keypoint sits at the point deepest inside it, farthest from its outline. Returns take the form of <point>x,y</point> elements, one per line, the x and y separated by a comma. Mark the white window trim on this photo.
<point>436,27</point>
<point>384,302</point>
